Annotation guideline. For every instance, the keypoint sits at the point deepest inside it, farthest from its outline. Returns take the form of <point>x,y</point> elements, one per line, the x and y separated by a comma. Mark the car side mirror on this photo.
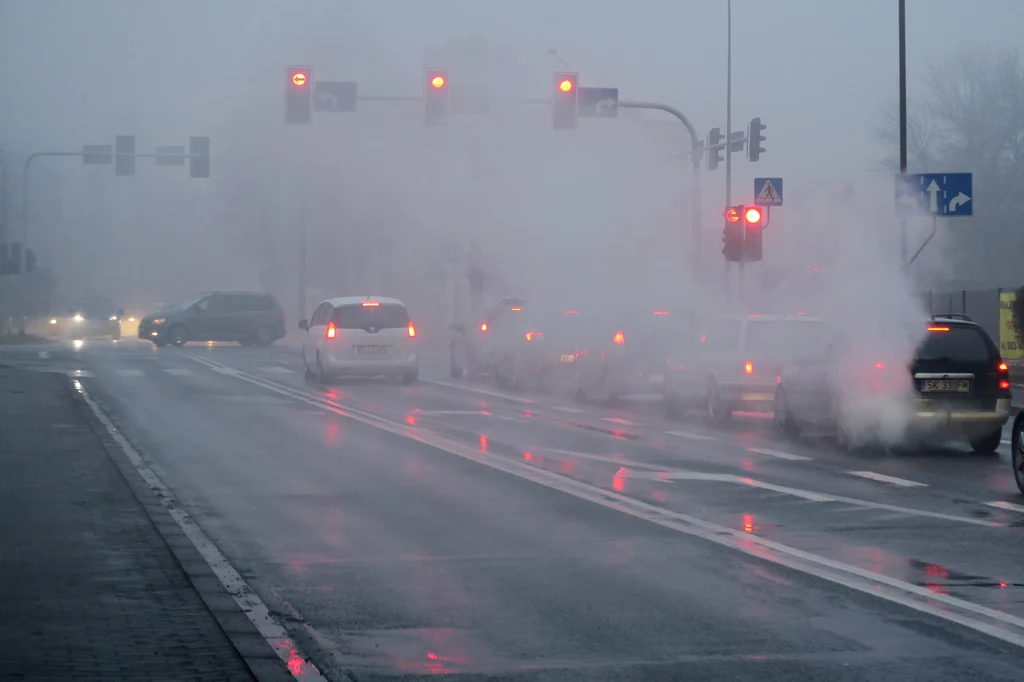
<point>304,325</point>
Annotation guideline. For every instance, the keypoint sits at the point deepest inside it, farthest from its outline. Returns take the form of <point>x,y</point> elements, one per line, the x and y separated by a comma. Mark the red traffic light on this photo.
<point>299,79</point>
<point>732,215</point>
<point>565,85</point>
<point>437,82</point>
<point>752,215</point>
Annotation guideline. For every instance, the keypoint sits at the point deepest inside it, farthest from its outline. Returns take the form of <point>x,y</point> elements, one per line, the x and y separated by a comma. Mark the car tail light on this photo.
<point>748,367</point>
<point>570,312</point>
<point>412,330</point>
<point>1004,384</point>
<point>371,304</point>
<point>619,339</point>
<point>332,331</point>
<point>530,336</point>
<point>660,312</point>
<point>1003,367</point>
<point>516,309</point>
<point>938,329</point>
<point>483,326</point>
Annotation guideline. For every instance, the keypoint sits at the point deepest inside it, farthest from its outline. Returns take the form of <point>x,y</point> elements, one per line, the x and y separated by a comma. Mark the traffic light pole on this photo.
<point>695,156</point>
<point>728,142</point>
<point>903,125</point>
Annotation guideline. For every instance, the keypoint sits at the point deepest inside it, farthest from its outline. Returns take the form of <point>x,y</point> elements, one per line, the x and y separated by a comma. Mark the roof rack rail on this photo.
<point>952,316</point>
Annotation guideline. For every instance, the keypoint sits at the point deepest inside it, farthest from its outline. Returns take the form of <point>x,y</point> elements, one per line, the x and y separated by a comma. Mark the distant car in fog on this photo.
<point>627,351</point>
<point>89,318</point>
<point>956,386</point>
<point>360,336</point>
<point>476,339</point>
<point>246,317</point>
<point>736,362</point>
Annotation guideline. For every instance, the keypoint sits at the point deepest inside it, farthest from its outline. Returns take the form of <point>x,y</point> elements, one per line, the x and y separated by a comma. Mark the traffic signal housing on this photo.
<point>755,136</point>
<point>124,155</point>
<point>565,100</point>
<point>437,97</point>
<point>753,232</point>
<point>298,95</point>
<point>732,234</point>
<point>199,157</point>
<point>715,137</point>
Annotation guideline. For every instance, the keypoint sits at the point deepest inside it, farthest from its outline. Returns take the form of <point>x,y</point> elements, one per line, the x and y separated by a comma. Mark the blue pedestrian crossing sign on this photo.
<point>768,191</point>
<point>934,194</point>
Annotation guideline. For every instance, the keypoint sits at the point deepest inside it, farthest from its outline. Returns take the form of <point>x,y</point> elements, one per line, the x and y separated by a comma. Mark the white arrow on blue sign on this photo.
<point>768,191</point>
<point>944,195</point>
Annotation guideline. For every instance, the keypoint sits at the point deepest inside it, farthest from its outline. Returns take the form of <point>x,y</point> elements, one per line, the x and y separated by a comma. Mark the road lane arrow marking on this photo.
<point>933,190</point>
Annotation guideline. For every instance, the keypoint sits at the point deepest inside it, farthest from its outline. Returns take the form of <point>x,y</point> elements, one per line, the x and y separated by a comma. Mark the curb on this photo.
<point>252,648</point>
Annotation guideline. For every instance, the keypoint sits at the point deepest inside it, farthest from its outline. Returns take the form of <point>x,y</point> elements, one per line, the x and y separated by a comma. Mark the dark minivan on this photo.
<point>246,317</point>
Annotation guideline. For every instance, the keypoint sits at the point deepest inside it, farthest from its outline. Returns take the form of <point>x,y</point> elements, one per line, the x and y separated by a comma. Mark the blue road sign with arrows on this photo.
<point>944,195</point>
<point>768,191</point>
<point>599,102</point>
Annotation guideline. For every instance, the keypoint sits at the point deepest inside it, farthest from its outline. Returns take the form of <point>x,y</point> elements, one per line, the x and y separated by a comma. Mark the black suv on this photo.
<point>959,387</point>
<point>246,317</point>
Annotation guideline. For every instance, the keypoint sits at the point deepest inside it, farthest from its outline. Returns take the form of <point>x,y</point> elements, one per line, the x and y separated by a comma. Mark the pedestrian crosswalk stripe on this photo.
<point>129,372</point>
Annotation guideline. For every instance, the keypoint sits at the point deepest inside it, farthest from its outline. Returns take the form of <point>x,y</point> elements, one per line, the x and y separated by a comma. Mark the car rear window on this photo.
<point>961,343</point>
<point>785,337</point>
<point>384,316</point>
<point>721,335</point>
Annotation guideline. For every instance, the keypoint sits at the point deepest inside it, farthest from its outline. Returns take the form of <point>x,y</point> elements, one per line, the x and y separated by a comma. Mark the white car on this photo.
<point>360,336</point>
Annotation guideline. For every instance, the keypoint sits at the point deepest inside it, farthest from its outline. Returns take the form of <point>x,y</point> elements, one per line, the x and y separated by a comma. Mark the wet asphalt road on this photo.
<point>451,527</point>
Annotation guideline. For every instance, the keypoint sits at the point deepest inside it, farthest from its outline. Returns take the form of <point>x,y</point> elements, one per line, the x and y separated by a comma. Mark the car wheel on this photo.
<point>176,335</point>
<point>718,411</point>
<point>307,372</point>
<point>987,443</point>
<point>410,377</point>
<point>264,336</point>
<point>321,378</point>
<point>785,425</point>
<point>160,344</point>
<point>1018,455</point>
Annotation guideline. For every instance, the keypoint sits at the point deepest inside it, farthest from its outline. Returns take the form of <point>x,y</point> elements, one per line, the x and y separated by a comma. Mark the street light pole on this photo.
<point>728,136</point>
<point>903,119</point>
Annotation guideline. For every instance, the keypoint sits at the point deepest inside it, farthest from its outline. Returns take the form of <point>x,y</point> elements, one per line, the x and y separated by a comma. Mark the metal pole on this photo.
<point>728,140</point>
<point>903,119</point>
<point>695,150</point>
<point>302,264</point>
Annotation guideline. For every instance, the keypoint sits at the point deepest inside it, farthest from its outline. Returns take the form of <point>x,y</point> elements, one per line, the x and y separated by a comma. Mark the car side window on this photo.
<point>318,315</point>
<point>204,306</point>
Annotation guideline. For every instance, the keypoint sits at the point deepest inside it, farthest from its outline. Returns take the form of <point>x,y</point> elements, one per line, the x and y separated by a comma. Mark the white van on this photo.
<point>360,336</point>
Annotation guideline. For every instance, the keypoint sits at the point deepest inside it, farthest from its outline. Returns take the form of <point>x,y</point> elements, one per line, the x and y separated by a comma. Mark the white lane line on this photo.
<point>128,372</point>
<point>224,369</point>
<point>480,390</point>
<point>993,622</point>
<point>570,410</point>
<point>902,482</point>
<point>440,413</point>
<point>778,454</point>
<point>74,374</point>
<point>287,649</point>
<point>44,355</point>
<point>617,420</point>
<point>178,372</point>
<point>691,436</point>
<point>273,369</point>
<point>1009,506</point>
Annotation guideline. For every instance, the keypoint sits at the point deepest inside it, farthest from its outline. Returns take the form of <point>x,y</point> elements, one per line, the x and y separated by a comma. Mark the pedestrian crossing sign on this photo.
<point>768,191</point>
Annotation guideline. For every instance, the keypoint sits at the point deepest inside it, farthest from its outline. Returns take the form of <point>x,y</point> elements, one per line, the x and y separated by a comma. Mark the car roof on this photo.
<point>357,300</point>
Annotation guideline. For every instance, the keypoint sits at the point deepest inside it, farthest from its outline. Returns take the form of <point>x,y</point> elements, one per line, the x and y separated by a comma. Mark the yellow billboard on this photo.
<point>1009,346</point>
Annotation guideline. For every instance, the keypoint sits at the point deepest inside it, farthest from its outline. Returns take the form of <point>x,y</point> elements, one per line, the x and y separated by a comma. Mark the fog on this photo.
<point>597,217</point>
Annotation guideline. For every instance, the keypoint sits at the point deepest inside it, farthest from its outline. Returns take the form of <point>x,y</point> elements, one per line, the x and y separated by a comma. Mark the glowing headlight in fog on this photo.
<point>113,318</point>
<point>53,320</point>
<point>78,317</point>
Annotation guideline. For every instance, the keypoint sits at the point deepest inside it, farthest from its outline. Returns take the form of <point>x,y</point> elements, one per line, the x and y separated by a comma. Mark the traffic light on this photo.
<point>732,234</point>
<point>565,100</point>
<point>437,98</point>
<point>755,137</point>
<point>715,155</point>
<point>124,159</point>
<point>199,157</point>
<point>753,228</point>
<point>30,260</point>
<point>298,95</point>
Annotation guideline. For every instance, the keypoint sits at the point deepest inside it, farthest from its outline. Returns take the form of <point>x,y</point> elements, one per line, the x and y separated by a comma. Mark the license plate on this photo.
<point>946,386</point>
<point>568,358</point>
<point>371,350</point>
<point>657,378</point>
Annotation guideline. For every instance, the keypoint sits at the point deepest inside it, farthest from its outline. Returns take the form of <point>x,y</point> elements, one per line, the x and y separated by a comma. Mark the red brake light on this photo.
<point>516,309</point>
<point>879,365</point>
<point>661,312</point>
<point>938,329</point>
<point>570,312</point>
<point>483,326</point>
<point>1003,367</point>
<point>748,367</point>
<point>619,338</point>
<point>412,330</point>
<point>530,335</point>
<point>371,304</point>
<point>1004,384</point>
<point>331,330</point>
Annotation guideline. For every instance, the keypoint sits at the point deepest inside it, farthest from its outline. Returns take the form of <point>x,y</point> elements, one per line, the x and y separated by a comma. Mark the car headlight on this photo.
<point>113,318</point>
<point>160,320</point>
<point>131,318</point>
<point>78,317</point>
<point>53,320</point>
